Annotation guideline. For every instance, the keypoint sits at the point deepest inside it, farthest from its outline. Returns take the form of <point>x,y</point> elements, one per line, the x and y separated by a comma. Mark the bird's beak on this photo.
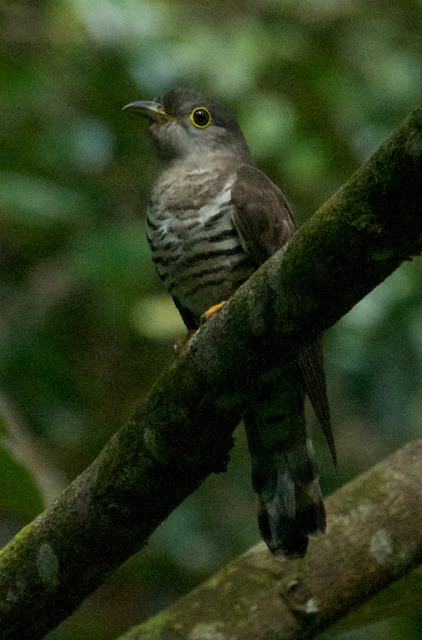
<point>148,109</point>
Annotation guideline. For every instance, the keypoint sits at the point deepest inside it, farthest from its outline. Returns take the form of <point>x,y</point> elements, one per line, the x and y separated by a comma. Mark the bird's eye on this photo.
<point>200,117</point>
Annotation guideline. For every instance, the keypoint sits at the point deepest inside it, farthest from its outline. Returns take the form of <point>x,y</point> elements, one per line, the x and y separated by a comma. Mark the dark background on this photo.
<point>85,326</point>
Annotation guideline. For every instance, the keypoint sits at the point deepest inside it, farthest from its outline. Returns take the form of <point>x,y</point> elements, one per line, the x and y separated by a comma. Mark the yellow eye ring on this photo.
<point>200,117</point>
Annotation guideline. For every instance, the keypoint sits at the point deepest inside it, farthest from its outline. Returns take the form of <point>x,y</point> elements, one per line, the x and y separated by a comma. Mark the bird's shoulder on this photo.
<point>261,213</point>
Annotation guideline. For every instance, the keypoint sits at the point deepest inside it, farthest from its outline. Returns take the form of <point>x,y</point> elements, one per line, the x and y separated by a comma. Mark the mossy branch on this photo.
<point>182,432</point>
<point>374,537</point>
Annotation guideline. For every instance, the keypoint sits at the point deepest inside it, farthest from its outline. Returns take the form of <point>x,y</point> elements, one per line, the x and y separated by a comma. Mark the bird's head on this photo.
<point>185,123</point>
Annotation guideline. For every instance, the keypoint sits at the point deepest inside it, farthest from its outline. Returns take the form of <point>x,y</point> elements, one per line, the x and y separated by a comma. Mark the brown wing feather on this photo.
<point>311,365</point>
<point>264,222</point>
<point>262,215</point>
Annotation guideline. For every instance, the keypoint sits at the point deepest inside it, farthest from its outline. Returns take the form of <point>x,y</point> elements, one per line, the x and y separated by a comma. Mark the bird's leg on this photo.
<point>210,312</point>
<point>182,342</point>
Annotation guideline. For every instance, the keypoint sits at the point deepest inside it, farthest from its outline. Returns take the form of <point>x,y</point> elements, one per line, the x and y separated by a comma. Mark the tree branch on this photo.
<point>374,536</point>
<point>182,433</point>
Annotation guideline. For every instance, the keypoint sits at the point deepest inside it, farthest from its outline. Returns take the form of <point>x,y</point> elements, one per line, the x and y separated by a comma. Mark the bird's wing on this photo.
<point>262,215</point>
<point>264,222</point>
<point>311,365</point>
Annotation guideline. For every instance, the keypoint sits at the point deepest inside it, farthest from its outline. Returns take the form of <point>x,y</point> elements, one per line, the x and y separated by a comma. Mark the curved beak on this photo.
<point>152,110</point>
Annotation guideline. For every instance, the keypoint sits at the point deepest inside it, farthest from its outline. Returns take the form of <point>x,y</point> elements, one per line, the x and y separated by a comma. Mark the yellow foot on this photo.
<point>182,342</point>
<point>210,312</point>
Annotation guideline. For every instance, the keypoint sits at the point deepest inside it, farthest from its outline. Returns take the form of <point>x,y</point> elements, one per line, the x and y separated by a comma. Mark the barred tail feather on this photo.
<point>289,510</point>
<point>284,473</point>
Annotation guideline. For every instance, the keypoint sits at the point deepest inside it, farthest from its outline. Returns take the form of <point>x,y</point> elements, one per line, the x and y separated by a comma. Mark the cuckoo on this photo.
<point>213,219</point>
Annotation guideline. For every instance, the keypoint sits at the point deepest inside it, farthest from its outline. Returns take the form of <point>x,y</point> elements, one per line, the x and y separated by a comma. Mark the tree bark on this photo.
<point>182,432</point>
<point>374,537</point>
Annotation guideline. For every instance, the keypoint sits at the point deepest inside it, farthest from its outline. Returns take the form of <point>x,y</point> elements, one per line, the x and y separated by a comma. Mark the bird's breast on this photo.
<point>195,246</point>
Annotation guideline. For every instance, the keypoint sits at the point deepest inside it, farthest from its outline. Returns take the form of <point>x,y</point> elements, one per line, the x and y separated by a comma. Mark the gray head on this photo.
<point>184,123</point>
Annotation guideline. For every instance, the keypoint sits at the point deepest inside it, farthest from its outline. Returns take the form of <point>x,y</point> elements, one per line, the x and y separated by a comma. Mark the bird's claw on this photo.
<point>182,342</point>
<point>210,312</point>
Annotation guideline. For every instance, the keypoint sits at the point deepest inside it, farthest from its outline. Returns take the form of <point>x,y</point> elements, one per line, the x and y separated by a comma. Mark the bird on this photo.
<point>212,220</point>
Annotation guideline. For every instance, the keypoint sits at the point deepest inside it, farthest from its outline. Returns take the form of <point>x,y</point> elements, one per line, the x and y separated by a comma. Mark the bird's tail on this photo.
<point>284,474</point>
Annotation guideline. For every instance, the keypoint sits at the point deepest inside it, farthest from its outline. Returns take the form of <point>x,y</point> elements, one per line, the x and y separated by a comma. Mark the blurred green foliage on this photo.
<point>20,496</point>
<point>85,325</point>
